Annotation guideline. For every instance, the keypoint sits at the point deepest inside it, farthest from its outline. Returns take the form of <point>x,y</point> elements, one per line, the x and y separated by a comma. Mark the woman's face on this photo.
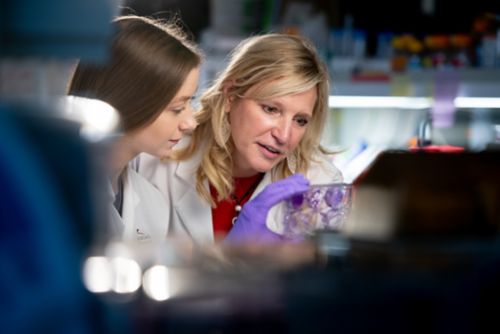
<point>159,137</point>
<point>265,132</point>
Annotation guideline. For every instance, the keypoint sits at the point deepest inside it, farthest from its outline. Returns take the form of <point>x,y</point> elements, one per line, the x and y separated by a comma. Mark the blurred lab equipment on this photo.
<point>57,28</point>
<point>41,215</point>
<point>436,195</point>
<point>421,251</point>
<point>51,177</point>
<point>48,168</point>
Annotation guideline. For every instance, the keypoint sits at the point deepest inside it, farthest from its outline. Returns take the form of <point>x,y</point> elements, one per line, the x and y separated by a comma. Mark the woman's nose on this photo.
<point>189,122</point>
<point>281,131</point>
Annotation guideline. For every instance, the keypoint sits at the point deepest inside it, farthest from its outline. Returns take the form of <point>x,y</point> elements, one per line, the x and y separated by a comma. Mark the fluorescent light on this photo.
<point>401,102</point>
<point>477,102</point>
<point>404,102</point>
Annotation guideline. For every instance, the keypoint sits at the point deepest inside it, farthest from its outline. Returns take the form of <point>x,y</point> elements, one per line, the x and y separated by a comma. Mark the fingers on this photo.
<point>296,180</point>
<point>286,188</point>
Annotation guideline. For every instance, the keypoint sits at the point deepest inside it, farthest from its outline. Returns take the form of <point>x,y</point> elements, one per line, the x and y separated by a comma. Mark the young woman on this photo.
<point>260,122</point>
<point>150,79</point>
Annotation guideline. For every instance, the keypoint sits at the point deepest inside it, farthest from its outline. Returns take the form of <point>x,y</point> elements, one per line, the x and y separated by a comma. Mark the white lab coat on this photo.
<point>190,216</point>
<point>144,212</point>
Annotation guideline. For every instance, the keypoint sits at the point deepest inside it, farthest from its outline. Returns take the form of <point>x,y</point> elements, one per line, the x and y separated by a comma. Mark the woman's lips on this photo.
<point>269,152</point>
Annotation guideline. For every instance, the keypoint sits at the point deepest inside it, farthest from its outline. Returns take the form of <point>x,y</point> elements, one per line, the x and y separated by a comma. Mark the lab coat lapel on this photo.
<point>194,213</point>
<point>263,183</point>
<point>131,201</point>
<point>116,227</point>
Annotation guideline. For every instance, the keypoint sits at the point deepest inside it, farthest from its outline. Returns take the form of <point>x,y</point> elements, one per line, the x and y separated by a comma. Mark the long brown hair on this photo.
<point>149,62</point>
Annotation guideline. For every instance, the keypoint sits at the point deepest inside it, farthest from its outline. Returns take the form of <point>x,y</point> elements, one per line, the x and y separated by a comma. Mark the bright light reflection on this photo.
<point>127,275</point>
<point>98,117</point>
<point>477,102</point>
<point>156,283</point>
<point>401,102</point>
<point>97,275</point>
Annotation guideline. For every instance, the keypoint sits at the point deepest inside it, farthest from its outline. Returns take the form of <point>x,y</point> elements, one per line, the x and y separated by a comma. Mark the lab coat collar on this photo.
<point>116,227</point>
<point>130,202</point>
<point>194,212</point>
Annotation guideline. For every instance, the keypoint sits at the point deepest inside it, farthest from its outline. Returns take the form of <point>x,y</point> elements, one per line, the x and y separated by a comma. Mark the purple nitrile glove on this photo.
<point>251,223</point>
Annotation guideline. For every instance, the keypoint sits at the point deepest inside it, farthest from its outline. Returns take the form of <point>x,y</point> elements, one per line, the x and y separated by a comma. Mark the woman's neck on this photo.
<point>122,152</point>
<point>240,172</point>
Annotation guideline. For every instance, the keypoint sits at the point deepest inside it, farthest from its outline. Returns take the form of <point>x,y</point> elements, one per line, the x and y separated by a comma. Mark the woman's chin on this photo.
<point>265,167</point>
<point>163,154</point>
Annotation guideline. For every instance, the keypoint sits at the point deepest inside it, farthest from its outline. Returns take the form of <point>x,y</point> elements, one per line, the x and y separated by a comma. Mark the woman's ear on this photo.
<point>226,88</point>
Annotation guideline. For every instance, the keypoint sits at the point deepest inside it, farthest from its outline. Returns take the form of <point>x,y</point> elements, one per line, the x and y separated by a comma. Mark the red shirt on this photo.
<point>225,210</point>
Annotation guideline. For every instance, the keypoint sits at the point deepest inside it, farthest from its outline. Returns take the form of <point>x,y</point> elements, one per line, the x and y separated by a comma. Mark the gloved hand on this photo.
<point>251,223</point>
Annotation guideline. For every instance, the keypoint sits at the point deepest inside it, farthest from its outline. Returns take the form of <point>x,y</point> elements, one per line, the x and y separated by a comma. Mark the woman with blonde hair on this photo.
<point>150,79</point>
<point>260,122</point>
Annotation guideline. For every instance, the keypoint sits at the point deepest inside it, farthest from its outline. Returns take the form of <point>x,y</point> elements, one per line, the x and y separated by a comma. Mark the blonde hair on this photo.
<point>261,67</point>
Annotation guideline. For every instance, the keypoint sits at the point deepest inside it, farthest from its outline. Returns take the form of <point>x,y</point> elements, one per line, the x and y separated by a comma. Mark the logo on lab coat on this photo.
<point>142,236</point>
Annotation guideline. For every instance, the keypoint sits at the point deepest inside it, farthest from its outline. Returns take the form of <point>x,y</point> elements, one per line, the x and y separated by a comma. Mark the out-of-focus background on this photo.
<point>410,50</point>
<point>429,68</point>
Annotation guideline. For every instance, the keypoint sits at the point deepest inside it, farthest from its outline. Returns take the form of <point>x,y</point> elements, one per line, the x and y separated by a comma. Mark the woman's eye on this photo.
<point>269,109</point>
<point>177,110</point>
<point>188,103</point>
<point>302,121</point>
